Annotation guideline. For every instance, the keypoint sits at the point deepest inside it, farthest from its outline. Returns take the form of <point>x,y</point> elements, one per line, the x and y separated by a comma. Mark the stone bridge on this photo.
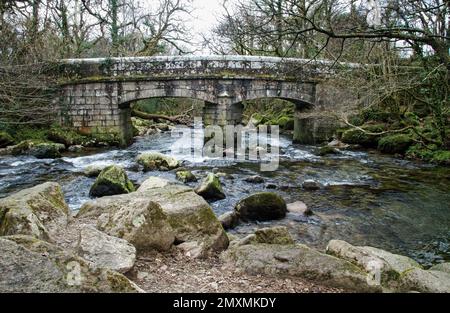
<point>96,93</point>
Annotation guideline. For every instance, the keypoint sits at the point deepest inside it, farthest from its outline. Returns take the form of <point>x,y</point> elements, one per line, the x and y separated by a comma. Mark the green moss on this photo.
<point>112,180</point>
<point>31,133</point>
<point>356,120</point>
<point>23,146</point>
<point>356,136</point>
<point>66,136</point>
<point>285,122</point>
<point>186,176</point>
<point>429,153</point>
<point>112,138</point>
<point>46,150</point>
<point>398,143</point>
<point>5,139</point>
<point>211,188</point>
<point>441,157</point>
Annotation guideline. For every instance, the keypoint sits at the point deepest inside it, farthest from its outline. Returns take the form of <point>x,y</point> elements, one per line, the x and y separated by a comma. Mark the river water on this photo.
<point>366,199</point>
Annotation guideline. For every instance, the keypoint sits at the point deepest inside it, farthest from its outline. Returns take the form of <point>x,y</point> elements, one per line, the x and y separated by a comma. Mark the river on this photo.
<point>366,199</point>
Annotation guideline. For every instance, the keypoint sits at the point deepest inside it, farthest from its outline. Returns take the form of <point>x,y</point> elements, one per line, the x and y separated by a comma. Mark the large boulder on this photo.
<point>105,251</point>
<point>391,271</point>
<point>420,280</point>
<point>112,180</point>
<point>39,211</point>
<point>191,217</point>
<point>441,267</point>
<point>139,220</point>
<point>297,261</point>
<point>210,188</point>
<point>31,265</point>
<point>5,139</point>
<point>157,161</point>
<point>179,216</point>
<point>387,265</point>
<point>261,206</point>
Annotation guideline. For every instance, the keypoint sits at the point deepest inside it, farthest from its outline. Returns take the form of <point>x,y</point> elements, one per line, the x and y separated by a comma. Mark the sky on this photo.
<point>204,18</point>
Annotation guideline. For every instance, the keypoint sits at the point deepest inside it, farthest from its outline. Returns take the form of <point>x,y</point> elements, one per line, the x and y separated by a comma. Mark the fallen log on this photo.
<point>179,119</point>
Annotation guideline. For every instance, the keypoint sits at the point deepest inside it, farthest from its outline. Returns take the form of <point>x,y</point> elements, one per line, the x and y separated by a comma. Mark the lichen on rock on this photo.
<point>39,211</point>
<point>31,265</point>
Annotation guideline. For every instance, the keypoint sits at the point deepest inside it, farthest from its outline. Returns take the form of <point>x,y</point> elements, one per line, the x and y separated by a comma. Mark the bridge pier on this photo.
<point>94,110</point>
<point>222,114</point>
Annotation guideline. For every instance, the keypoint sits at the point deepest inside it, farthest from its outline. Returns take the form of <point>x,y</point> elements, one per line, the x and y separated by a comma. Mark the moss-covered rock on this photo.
<point>66,136</point>
<point>441,157</point>
<point>22,147</point>
<point>140,126</point>
<point>325,150</point>
<point>261,206</point>
<point>186,176</point>
<point>31,265</point>
<point>104,138</point>
<point>430,153</point>
<point>285,123</point>
<point>273,235</point>
<point>46,150</point>
<point>5,139</point>
<point>39,211</point>
<point>398,143</point>
<point>157,161</point>
<point>210,188</point>
<point>358,137</point>
<point>255,120</point>
<point>112,180</point>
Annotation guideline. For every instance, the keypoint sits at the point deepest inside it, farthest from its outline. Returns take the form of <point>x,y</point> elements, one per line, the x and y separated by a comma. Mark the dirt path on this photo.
<point>173,272</point>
